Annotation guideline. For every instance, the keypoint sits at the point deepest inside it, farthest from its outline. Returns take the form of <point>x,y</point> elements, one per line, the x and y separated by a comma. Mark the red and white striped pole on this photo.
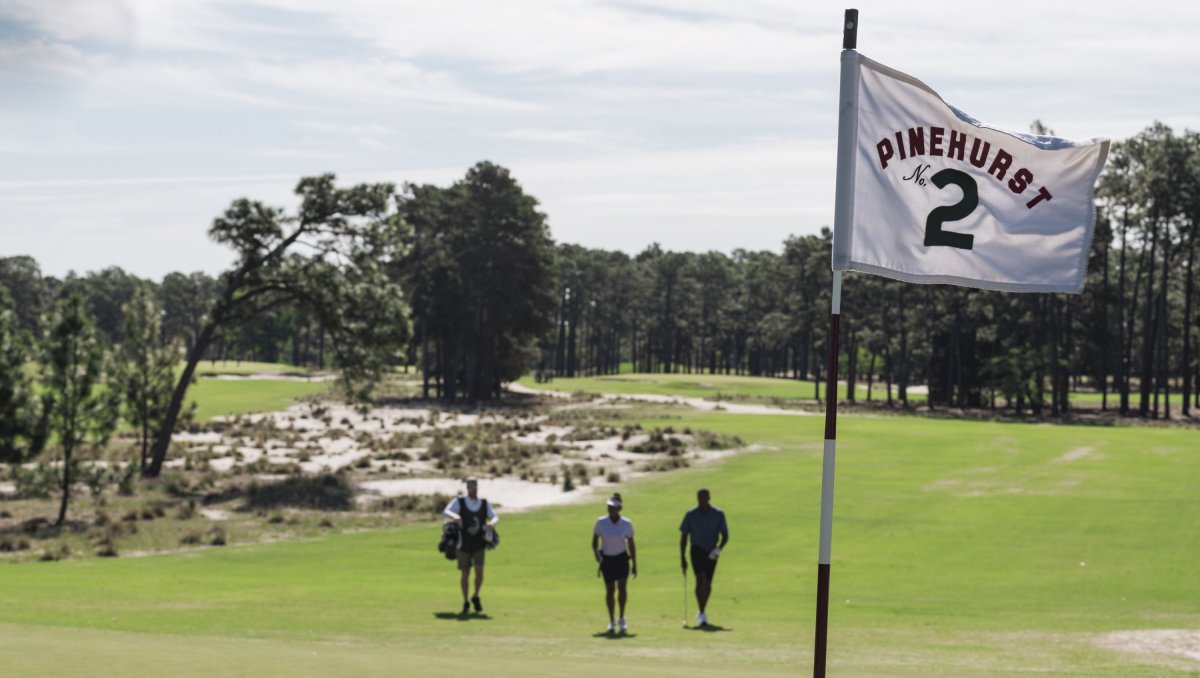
<point>843,205</point>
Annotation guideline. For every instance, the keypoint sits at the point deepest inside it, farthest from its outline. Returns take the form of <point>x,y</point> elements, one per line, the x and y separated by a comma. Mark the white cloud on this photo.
<point>110,22</point>
<point>720,197</point>
<point>695,123</point>
<point>374,82</point>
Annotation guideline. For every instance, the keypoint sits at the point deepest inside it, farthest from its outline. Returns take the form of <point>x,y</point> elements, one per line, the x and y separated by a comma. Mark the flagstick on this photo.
<point>842,203</point>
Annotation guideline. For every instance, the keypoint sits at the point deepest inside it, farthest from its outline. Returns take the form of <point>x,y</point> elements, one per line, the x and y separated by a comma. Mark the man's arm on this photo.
<point>724,533</point>
<point>633,556</point>
<point>684,529</point>
<point>492,517</point>
<point>595,546</point>
<point>450,513</point>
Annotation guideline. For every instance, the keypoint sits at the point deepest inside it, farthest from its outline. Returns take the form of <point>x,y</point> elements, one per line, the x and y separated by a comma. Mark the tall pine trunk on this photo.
<point>1149,328</point>
<point>162,440</point>
<point>1187,324</point>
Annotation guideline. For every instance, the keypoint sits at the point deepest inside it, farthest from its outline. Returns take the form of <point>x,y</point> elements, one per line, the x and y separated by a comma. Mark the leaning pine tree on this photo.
<point>326,261</point>
<point>74,366</point>
<point>145,369</point>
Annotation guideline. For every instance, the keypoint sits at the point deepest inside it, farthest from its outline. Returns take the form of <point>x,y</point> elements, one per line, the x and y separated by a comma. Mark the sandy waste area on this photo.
<point>323,438</point>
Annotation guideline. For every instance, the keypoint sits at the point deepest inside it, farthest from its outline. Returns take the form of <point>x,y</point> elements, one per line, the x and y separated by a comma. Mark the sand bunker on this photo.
<point>507,494</point>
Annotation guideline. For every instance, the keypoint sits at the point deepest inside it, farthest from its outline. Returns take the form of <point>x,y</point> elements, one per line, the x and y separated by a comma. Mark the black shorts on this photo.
<point>615,568</point>
<point>702,564</point>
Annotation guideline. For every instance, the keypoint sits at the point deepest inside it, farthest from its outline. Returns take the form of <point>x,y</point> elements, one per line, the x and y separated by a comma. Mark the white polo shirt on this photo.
<point>613,535</point>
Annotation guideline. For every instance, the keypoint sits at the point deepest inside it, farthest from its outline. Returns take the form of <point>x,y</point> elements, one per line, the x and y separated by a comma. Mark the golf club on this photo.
<point>685,597</point>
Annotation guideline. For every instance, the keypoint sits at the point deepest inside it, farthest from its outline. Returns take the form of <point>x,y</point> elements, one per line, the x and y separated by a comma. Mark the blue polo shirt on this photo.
<point>704,527</point>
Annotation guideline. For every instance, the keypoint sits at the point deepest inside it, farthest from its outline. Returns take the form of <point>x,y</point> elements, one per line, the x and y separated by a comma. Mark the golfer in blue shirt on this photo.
<point>704,524</point>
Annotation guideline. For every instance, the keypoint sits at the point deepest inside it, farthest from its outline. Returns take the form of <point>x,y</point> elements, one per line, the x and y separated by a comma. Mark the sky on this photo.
<point>126,126</point>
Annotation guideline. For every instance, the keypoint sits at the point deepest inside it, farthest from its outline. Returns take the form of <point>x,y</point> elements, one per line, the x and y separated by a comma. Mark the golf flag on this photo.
<point>928,194</point>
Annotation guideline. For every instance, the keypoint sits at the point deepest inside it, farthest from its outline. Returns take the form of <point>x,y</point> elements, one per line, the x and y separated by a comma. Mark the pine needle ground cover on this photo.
<point>960,549</point>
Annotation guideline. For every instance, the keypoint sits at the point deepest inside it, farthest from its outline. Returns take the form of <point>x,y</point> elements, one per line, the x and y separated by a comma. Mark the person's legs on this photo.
<point>621,596</point>
<point>703,589</point>
<point>704,568</point>
<point>464,569</point>
<point>478,585</point>
<point>609,588</point>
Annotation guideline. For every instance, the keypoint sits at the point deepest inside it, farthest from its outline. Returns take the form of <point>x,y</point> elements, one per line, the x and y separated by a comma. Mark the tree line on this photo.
<point>465,283</point>
<point>1130,336</point>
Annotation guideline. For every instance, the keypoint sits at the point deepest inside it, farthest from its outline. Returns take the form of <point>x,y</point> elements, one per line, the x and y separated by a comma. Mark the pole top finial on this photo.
<point>850,30</point>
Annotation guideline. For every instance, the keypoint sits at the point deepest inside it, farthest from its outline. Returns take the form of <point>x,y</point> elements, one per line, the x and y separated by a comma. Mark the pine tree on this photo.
<point>81,409</point>
<point>22,426</point>
<point>145,369</point>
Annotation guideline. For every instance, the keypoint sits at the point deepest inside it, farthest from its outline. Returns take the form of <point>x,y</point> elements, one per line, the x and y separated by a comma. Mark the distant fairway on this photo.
<point>222,397</point>
<point>245,367</point>
<point>960,549</point>
<point>216,397</point>
<point>711,386</point>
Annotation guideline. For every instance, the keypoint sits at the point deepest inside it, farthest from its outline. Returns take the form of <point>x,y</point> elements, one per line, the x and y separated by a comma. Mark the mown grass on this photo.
<point>247,367</point>
<point>712,386</point>
<point>960,549</point>
<point>771,389</point>
<point>221,397</point>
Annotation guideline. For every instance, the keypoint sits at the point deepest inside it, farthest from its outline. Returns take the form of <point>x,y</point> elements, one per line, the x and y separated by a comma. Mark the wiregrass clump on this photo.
<point>325,492</point>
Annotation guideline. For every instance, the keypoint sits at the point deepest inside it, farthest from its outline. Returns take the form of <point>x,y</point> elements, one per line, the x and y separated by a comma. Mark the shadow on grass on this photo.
<point>614,635</point>
<point>470,616</point>
<point>707,628</point>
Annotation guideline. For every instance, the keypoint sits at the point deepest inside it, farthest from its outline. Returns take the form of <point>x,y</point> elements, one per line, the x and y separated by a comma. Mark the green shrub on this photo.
<point>431,504</point>
<point>707,440</point>
<point>186,511</point>
<point>107,548</point>
<point>326,492</point>
<point>9,545</point>
<point>176,484</point>
<point>37,482</point>
<point>127,480</point>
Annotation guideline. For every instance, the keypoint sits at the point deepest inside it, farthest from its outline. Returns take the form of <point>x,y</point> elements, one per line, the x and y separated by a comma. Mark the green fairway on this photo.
<point>710,386</point>
<point>246,367</point>
<point>960,549</point>
<point>218,397</point>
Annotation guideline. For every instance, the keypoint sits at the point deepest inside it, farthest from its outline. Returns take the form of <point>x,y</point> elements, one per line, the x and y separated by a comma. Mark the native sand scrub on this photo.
<point>320,465</point>
<point>961,548</point>
<point>527,458</point>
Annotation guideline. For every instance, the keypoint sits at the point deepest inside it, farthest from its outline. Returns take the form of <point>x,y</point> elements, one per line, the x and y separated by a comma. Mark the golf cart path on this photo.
<point>695,403</point>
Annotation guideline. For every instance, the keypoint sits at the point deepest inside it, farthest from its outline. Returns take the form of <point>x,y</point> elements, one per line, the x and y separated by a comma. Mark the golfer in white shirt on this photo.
<point>612,544</point>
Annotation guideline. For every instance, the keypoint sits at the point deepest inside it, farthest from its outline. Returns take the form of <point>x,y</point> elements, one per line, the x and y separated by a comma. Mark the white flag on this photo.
<point>935,196</point>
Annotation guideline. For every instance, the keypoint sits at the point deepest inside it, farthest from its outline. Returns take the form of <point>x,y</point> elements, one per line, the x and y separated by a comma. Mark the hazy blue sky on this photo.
<point>125,127</point>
